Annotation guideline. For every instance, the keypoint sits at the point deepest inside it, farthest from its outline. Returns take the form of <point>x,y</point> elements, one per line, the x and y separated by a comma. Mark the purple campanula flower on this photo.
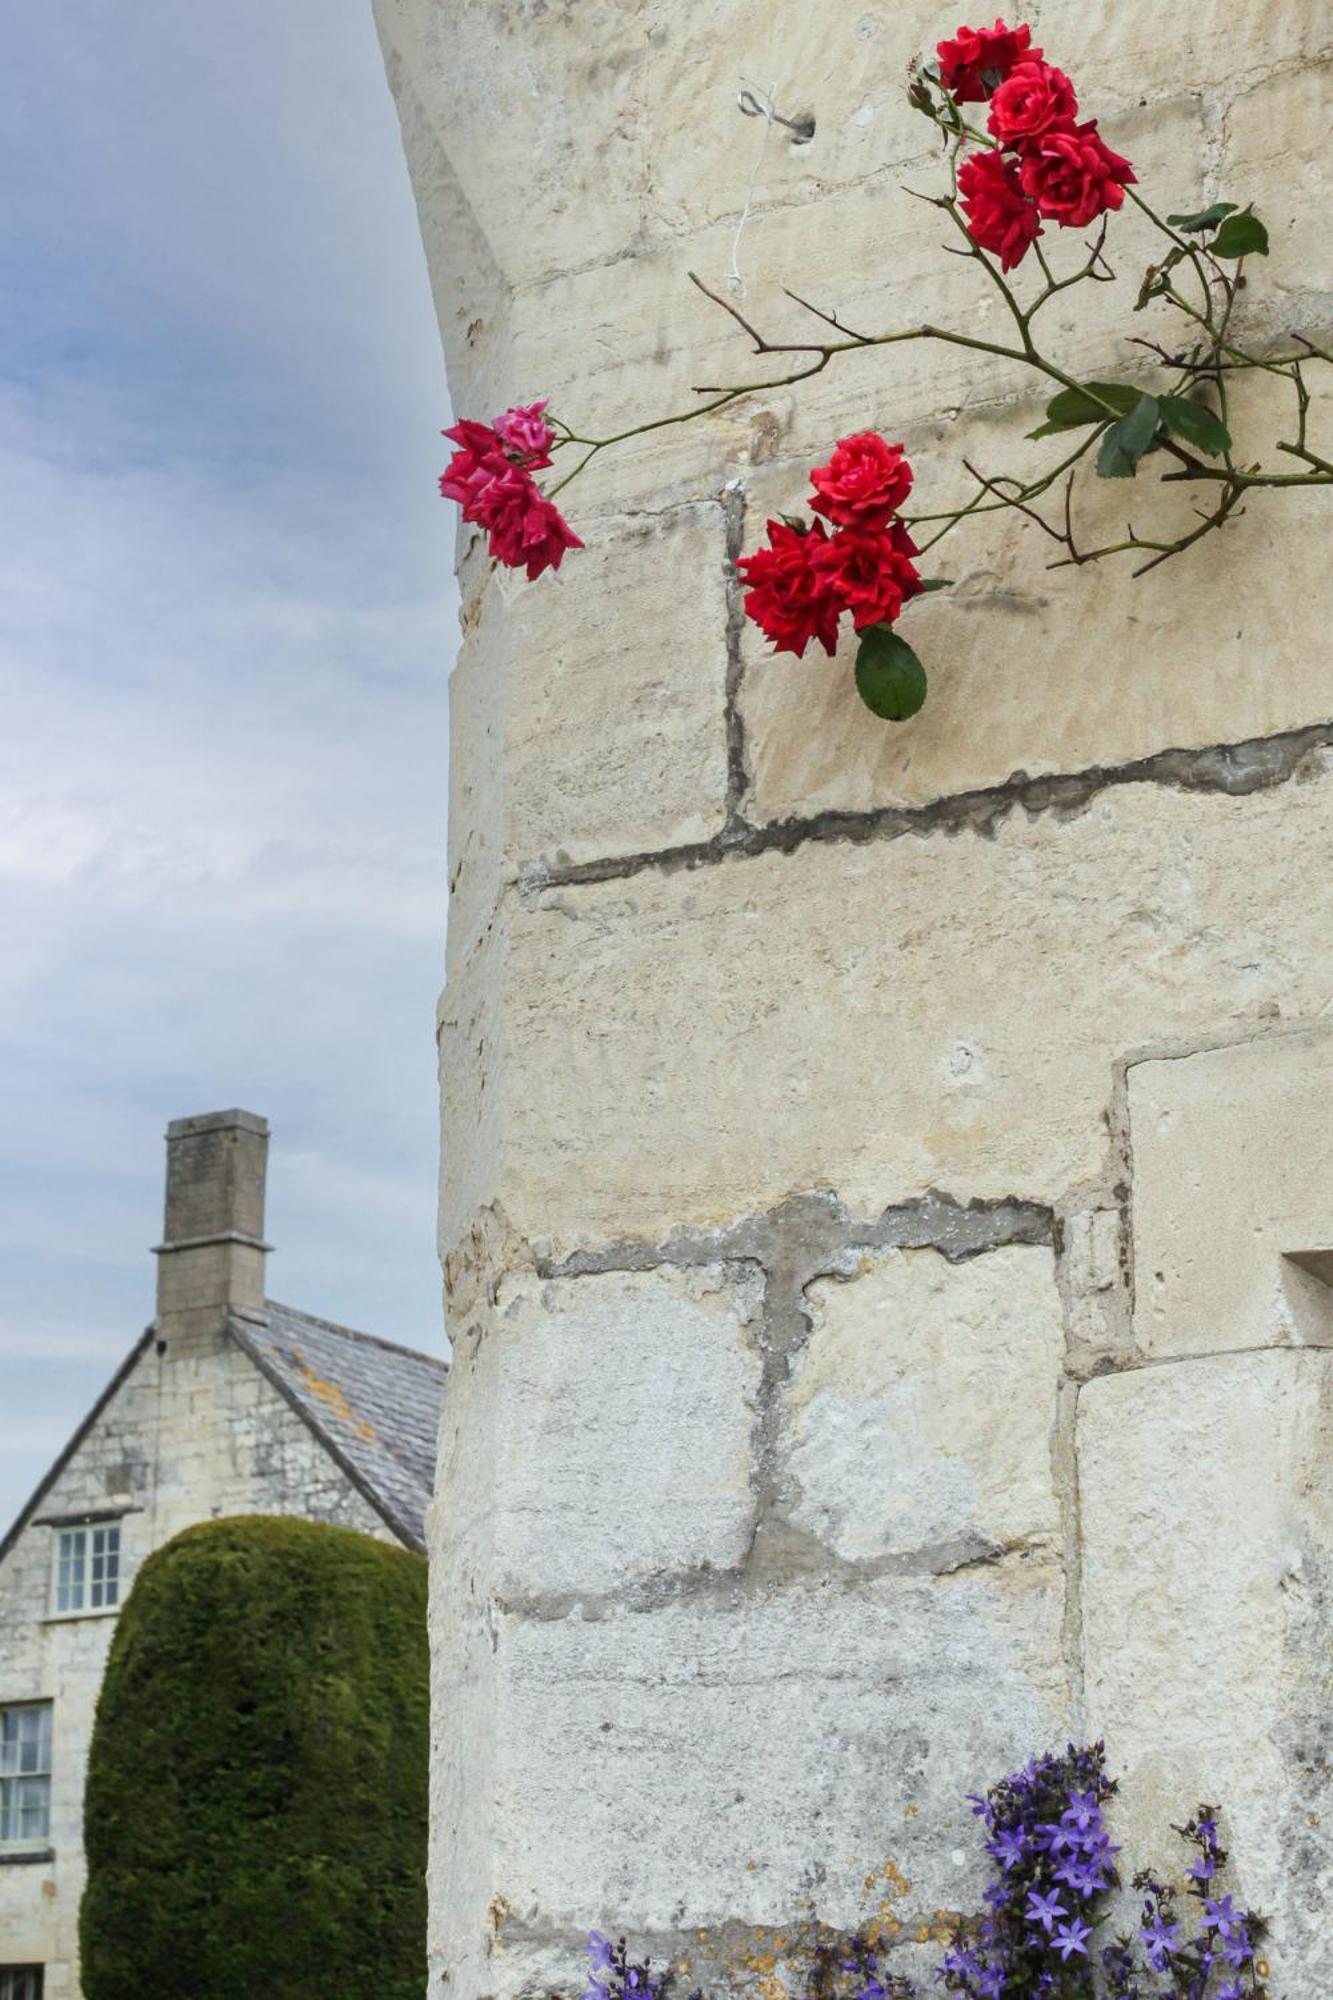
<point>1239,1951</point>
<point>1072,1938</point>
<point>1160,1940</point>
<point>1223,1912</point>
<point>958,1959</point>
<point>1008,1847</point>
<point>1044,1910</point>
<point>1084,1814</point>
<point>599,1950</point>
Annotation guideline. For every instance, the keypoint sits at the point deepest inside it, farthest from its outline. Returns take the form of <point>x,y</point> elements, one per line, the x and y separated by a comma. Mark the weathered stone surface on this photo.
<point>1037,670</point>
<point>578,737</point>
<point>921,1409</point>
<point>1208,1621</point>
<point>594,339</point>
<point>626,1405</point>
<point>878,1019</point>
<point>1276,151</point>
<point>707,1763</point>
<point>1233,1177</point>
<point>677,1047</point>
<point>647,122</point>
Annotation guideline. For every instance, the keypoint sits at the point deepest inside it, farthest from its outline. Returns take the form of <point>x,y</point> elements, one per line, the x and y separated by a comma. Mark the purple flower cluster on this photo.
<point>1042,1932</point>
<point>613,1976</point>
<point>1046,1834</point>
<point>1207,1953</point>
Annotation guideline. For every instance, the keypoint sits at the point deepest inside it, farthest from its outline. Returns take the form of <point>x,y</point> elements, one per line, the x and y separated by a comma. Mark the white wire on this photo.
<point>767,99</point>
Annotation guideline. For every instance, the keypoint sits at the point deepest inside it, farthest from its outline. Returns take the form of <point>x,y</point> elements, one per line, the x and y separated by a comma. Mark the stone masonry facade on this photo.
<point>888,1199</point>
<point>192,1429</point>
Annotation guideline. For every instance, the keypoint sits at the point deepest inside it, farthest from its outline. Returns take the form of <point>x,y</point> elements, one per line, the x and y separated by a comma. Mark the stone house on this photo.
<point>227,1404</point>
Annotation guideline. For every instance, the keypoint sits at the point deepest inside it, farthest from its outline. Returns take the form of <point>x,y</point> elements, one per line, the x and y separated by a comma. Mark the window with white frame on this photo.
<point>87,1570</point>
<point>25,1776</point>
<point>20,1982</point>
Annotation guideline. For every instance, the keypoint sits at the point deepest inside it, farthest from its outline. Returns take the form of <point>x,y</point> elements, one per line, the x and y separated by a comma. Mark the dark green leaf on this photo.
<point>1126,441</point>
<point>1073,407</point>
<point>1240,236</point>
<point>890,679</point>
<point>1199,427</point>
<point>937,582</point>
<point>1207,218</point>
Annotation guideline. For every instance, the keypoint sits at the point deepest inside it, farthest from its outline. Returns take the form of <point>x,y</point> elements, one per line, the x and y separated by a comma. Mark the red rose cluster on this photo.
<point>490,476</point>
<point>800,585</point>
<point>1046,165</point>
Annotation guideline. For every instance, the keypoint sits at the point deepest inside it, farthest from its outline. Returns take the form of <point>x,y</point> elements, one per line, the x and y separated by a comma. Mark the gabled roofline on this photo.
<point>240,1333</point>
<point>435,1361</point>
<point>48,1480</point>
<point>236,1329</point>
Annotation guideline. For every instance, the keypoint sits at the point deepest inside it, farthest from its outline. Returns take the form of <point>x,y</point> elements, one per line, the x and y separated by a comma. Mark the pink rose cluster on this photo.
<point>799,586</point>
<point>1045,165</point>
<point>490,476</point>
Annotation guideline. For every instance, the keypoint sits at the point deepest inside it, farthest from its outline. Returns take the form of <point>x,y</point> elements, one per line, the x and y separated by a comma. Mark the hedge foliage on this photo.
<point>255,1820</point>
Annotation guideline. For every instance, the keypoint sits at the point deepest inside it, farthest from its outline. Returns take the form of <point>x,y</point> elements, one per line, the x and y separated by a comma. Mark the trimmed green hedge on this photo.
<point>255,1820</point>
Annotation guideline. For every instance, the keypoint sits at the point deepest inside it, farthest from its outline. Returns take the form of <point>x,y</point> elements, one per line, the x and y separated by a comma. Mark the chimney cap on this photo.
<point>218,1121</point>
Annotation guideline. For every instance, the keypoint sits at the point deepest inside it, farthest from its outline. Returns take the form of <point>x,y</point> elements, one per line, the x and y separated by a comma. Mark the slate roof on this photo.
<point>375,1407</point>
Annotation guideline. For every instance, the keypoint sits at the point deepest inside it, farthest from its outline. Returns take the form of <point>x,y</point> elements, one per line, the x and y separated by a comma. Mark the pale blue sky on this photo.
<point>226,622</point>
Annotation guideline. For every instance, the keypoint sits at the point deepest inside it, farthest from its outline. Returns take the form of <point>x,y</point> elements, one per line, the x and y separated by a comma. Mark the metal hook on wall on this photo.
<point>802,127</point>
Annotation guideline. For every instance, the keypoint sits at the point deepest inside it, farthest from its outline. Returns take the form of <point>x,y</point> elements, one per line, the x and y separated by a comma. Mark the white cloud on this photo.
<point>225,629</point>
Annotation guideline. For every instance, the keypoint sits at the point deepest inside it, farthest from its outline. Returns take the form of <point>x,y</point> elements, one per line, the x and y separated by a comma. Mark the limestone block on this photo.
<point>1037,670</point>
<point>922,1407</point>
<point>878,1019</point>
<point>616,348</point>
<point>1233,1179</point>
<point>1278,153</point>
<point>1208,1621</point>
<point>1095,1283</point>
<point>624,1421</point>
<point>595,133</point>
<point>574,738</point>
<point>703,1765</point>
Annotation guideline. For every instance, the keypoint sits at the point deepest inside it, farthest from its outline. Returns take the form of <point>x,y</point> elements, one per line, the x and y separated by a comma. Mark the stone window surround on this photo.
<point>87,1518</point>
<point>37,1847</point>
<point>21,1982</point>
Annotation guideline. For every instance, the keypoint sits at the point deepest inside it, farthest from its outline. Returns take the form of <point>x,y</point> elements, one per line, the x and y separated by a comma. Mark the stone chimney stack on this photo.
<point>213,1249</point>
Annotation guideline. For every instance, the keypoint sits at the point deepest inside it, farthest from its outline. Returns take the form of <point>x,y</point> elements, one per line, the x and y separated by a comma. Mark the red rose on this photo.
<point>979,58</point>
<point>791,596</point>
<point>872,572</point>
<point>1000,218</point>
<point>864,482</point>
<point>1073,176</point>
<point>525,530</point>
<point>1033,97</point>
<point>472,466</point>
<point>526,435</point>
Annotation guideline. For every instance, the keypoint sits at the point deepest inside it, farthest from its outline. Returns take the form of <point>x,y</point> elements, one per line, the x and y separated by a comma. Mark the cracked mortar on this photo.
<point>806,1238</point>
<point>1234,769</point>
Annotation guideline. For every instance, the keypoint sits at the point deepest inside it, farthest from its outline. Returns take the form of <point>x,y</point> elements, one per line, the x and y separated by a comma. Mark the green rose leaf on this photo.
<point>1207,218</point>
<point>1126,441</point>
<point>1073,407</point>
<point>937,582</point>
<point>1240,236</point>
<point>1199,427</point>
<point>890,679</point>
